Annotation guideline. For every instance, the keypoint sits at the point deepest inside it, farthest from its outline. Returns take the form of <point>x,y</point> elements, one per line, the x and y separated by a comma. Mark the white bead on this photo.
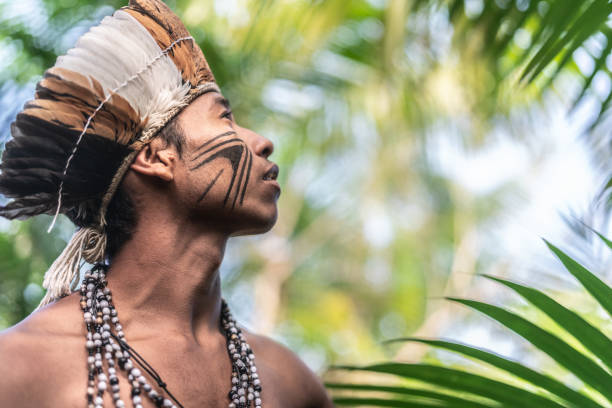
<point>119,404</point>
<point>102,386</point>
<point>167,403</point>
<point>137,399</point>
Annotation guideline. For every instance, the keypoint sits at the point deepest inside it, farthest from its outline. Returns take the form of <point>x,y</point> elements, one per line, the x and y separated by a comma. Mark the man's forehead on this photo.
<point>211,99</point>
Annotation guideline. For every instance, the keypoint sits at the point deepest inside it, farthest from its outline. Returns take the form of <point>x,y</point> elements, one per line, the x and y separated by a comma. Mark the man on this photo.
<point>130,137</point>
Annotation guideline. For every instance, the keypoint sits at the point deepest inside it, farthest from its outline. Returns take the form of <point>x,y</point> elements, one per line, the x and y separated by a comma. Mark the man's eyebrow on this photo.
<point>223,101</point>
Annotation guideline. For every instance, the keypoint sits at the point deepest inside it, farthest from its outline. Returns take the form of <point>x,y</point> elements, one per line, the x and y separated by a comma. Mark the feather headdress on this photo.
<point>93,111</point>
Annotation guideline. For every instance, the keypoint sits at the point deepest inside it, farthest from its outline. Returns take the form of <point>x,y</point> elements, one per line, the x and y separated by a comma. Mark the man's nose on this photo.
<point>261,146</point>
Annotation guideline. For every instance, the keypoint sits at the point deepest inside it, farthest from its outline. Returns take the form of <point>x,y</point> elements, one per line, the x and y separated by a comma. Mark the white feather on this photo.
<point>117,49</point>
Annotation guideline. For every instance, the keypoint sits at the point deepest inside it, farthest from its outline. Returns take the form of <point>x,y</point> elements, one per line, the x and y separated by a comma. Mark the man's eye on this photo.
<point>227,114</point>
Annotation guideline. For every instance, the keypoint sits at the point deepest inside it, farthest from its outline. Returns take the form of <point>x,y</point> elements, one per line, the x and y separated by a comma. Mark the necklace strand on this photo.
<point>106,342</point>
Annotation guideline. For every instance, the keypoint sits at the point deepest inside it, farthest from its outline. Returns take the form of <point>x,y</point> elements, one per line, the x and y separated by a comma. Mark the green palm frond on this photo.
<point>582,349</point>
<point>551,32</point>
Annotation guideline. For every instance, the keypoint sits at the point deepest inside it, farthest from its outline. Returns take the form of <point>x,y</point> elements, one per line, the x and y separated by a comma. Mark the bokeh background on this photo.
<point>412,158</point>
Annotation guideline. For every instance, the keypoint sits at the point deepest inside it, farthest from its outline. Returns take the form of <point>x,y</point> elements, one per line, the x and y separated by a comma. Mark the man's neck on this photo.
<point>166,279</point>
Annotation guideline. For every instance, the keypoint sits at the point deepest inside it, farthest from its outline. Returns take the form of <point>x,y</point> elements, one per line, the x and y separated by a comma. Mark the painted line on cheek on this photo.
<point>235,160</point>
<point>242,167</point>
<point>231,132</point>
<point>206,160</point>
<point>210,186</point>
<point>246,182</point>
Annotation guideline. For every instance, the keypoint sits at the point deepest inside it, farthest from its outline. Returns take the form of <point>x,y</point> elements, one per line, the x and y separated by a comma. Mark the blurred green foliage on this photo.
<point>350,92</point>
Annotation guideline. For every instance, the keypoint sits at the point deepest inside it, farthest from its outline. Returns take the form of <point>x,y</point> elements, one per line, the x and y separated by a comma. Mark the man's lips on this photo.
<point>271,173</point>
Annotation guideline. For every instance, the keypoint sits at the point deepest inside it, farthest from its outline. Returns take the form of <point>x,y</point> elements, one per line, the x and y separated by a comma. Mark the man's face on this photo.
<point>224,177</point>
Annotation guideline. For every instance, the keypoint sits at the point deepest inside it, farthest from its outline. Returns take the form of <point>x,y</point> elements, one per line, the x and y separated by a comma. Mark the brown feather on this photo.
<point>165,27</point>
<point>67,97</point>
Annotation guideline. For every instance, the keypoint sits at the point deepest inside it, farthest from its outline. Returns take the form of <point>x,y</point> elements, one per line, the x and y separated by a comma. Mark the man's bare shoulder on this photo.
<point>285,369</point>
<point>32,351</point>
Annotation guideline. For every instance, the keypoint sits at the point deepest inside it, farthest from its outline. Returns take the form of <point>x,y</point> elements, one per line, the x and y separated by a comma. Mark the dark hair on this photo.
<point>121,214</point>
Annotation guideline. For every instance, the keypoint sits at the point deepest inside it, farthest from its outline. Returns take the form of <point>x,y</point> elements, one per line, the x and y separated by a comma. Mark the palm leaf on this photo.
<point>595,286</point>
<point>591,337</point>
<point>543,381</point>
<point>437,397</point>
<point>461,381</point>
<point>564,354</point>
<point>555,34</point>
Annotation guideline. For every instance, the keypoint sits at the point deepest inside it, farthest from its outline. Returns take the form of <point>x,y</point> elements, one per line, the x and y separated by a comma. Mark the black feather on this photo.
<point>33,165</point>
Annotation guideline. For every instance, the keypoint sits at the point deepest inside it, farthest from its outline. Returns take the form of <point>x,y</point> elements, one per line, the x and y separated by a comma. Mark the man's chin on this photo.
<point>258,226</point>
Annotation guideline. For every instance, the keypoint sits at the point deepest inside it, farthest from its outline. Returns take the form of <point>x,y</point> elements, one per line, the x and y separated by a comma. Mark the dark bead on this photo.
<point>122,362</point>
<point>257,387</point>
<point>135,391</point>
<point>114,381</point>
<point>158,400</point>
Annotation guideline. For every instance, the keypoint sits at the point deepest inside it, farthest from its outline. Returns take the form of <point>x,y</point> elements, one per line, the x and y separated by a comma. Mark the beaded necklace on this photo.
<point>106,343</point>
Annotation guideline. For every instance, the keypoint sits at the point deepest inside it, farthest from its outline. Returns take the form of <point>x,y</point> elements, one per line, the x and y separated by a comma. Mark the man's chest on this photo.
<point>197,379</point>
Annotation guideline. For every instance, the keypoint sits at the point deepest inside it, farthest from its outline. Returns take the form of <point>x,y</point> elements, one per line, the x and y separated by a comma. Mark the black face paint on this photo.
<point>210,186</point>
<point>240,158</point>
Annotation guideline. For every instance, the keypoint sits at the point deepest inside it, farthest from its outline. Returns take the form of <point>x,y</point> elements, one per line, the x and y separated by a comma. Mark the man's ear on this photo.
<point>156,159</point>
